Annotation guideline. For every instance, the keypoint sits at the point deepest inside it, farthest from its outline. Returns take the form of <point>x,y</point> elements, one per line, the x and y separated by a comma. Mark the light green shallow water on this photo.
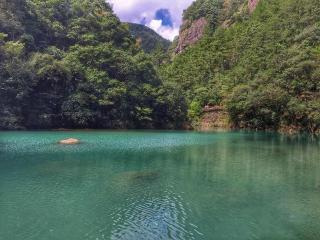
<point>159,185</point>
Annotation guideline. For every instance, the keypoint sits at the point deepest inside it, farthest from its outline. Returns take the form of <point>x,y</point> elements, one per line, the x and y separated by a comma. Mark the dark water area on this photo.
<point>159,185</point>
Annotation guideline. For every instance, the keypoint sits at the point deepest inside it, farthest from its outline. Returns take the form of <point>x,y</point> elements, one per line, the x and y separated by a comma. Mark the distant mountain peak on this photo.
<point>148,38</point>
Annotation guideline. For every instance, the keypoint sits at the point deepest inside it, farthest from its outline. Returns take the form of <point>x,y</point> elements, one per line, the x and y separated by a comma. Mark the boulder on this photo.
<point>69,141</point>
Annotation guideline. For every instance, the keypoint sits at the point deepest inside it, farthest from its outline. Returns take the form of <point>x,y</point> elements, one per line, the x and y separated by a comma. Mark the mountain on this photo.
<point>148,39</point>
<point>73,64</point>
<point>244,64</point>
<point>250,64</point>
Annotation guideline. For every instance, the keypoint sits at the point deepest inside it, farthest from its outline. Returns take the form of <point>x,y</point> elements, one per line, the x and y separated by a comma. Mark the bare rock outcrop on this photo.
<point>191,34</point>
<point>214,118</point>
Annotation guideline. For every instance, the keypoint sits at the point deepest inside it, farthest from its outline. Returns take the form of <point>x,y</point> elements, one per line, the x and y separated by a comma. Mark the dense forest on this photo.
<point>73,64</point>
<point>262,67</point>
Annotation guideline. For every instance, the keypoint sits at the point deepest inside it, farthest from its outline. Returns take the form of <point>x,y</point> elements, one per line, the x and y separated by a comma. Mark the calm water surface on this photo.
<point>159,185</point>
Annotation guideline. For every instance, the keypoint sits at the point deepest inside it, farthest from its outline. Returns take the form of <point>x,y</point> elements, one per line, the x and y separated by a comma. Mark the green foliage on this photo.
<point>195,110</point>
<point>209,9</point>
<point>15,82</point>
<point>257,109</point>
<point>148,39</point>
<point>73,64</point>
<point>216,12</point>
<point>264,67</point>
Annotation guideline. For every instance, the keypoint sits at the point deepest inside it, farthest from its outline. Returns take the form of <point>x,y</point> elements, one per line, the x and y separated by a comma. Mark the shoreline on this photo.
<point>282,131</point>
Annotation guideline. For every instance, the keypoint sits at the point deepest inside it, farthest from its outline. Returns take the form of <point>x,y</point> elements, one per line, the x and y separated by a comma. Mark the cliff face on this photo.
<point>208,13</point>
<point>191,34</point>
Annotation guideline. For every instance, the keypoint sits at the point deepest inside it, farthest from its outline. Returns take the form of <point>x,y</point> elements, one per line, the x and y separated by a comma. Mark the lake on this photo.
<point>159,185</point>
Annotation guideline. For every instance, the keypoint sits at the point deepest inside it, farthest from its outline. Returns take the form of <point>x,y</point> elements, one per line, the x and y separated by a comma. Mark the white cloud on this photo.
<point>164,31</point>
<point>155,24</point>
<point>136,10</point>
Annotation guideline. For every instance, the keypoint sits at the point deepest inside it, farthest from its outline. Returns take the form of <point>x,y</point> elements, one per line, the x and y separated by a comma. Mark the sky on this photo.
<point>163,16</point>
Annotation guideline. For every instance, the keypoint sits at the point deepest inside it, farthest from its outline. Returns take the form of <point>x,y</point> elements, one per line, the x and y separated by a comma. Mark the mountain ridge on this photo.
<point>147,38</point>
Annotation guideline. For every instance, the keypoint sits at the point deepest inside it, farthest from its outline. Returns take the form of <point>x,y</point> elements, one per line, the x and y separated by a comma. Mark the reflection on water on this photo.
<point>159,185</point>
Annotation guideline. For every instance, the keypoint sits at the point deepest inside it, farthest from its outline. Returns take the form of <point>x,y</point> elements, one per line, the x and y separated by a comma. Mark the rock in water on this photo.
<point>137,177</point>
<point>69,141</point>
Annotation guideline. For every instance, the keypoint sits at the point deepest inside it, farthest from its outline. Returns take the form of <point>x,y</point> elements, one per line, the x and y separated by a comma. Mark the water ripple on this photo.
<point>154,218</point>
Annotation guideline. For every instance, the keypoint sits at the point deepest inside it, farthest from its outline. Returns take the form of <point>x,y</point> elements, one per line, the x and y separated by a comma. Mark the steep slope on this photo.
<point>205,15</point>
<point>148,39</point>
<point>263,67</point>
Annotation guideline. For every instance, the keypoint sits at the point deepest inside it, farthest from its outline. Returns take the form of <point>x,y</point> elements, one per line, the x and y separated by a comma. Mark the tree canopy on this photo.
<point>264,67</point>
<point>73,64</point>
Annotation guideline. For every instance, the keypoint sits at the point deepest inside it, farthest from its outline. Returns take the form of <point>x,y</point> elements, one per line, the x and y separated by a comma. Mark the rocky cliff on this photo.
<point>192,34</point>
<point>209,13</point>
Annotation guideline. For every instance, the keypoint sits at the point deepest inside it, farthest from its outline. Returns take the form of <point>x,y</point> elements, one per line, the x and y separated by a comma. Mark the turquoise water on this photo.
<point>159,185</point>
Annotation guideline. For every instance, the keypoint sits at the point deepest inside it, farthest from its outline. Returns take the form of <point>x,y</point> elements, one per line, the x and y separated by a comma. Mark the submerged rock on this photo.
<point>144,176</point>
<point>69,141</point>
<point>138,177</point>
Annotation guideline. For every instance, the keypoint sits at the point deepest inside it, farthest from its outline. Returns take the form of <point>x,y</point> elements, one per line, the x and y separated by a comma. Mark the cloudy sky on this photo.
<point>163,16</point>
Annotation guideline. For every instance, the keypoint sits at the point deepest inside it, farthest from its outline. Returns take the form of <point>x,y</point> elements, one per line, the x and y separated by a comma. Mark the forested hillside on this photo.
<point>73,64</point>
<point>149,40</point>
<point>262,65</point>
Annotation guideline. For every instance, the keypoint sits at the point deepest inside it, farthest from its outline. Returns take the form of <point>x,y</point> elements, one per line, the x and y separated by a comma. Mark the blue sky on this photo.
<point>163,16</point>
